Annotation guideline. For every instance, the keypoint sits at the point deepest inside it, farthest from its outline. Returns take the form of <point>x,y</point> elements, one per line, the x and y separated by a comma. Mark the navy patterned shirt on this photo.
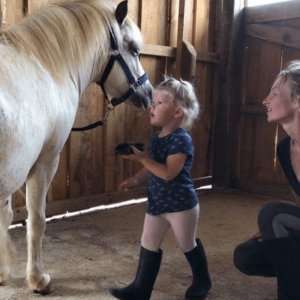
<point>179,193</point>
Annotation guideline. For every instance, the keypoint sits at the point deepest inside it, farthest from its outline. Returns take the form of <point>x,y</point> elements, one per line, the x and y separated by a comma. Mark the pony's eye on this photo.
<point>135,52</point>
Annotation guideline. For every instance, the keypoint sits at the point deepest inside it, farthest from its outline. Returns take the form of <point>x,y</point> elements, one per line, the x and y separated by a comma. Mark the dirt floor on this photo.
<point>88,254</point>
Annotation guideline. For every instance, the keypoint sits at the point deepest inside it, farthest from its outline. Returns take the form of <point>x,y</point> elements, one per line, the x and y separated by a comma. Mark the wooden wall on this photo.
<point>271,38</point>
<point>89,171</point>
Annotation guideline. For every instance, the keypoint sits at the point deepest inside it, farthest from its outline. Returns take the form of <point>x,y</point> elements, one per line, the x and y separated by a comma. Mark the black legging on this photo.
<point>278,252</point>
<point>279,220</point>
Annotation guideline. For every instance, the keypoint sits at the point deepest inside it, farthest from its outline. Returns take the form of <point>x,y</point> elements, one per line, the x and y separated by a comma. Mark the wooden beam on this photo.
<point>189,61</point>
<point>76,204</point>
<point>81,203</point>
<point>170,52</point>
<point>210,57</point>
<point>157,50</point>
<point>282,35</point>
<point>272,12</point>
<point>280,191</point>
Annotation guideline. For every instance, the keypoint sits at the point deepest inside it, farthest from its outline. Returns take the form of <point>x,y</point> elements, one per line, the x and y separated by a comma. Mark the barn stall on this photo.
<point>232,54</point>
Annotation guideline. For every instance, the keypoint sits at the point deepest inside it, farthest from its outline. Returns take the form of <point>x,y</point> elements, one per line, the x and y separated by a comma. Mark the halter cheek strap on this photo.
<point>134,84</point>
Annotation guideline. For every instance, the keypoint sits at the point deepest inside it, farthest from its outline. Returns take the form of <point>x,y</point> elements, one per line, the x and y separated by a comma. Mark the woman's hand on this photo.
<point>257,236</point>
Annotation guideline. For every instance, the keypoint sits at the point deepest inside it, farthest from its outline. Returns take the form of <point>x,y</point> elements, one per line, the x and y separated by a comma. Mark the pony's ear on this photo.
<point>121,11</point>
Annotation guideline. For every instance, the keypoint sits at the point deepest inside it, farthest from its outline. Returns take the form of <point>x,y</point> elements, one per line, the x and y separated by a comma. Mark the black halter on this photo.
<point>134,84</point>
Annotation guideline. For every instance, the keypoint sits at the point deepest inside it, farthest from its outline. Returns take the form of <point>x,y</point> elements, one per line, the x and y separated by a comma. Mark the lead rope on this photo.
<point>96,124</point>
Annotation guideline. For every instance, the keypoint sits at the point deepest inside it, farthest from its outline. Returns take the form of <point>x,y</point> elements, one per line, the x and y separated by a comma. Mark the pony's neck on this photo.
<point>69,39</point>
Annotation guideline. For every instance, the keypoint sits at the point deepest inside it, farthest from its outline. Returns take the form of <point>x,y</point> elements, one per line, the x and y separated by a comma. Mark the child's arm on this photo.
<point>168,171</point>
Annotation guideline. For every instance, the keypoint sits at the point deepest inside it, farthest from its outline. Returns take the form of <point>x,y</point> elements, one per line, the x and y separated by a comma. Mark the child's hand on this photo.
<point>136,156</point>
<point>128,183</point>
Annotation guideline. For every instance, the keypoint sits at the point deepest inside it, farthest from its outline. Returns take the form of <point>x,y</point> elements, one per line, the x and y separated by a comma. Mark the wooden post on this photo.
<point>180,37</point>
<point>227,97</point>
<point>0,13</point>
<point>188,62</point>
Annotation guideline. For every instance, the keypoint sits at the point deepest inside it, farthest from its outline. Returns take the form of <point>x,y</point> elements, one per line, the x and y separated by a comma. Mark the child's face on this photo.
<point>163,109</point>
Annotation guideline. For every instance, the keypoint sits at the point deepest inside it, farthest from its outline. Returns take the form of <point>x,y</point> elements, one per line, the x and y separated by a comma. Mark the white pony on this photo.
<point>47,61</point>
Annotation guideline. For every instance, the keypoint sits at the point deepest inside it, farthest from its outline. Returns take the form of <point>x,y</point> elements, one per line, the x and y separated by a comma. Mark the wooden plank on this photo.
<point>133,11</point>
<point>211,57</point>
<point>189,17</point>
<point>181,17</point>
<point>246,148</point>
<point>252,109</point>
<point>170,52</point>
<point>35,4</point>
<point>173,16</point>
<point>86,202</point>
<point>272,12</point>
<point>204,40</point>
<point>86,148</point>
<point>251,69</point>
<point>257,157</point>
<point>80,203</point>
<point>188,68</point>
<point>281,191</point>
<point>158,50</point>
<point>0,13</point>
<point>265,153</point>
<point>229,91</point>
<point>276,34</point>
<point>204,24</point>
<point>12,11</point>
<point>154,31</point>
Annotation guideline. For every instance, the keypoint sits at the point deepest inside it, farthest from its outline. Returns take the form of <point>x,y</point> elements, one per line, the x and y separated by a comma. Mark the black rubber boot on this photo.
<point>285,257</point>
<point>201,279</point>
<point>141,287</point>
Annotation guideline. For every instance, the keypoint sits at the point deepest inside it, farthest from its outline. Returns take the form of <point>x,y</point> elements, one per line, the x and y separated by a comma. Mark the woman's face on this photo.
<point>279,104</point>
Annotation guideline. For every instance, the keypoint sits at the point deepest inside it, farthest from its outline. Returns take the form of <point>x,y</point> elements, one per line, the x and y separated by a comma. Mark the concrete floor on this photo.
<point>88,254</point>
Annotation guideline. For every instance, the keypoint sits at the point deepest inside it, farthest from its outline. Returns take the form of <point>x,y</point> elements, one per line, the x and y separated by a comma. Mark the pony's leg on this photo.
<point>6,217</point>
<point>37,186</point>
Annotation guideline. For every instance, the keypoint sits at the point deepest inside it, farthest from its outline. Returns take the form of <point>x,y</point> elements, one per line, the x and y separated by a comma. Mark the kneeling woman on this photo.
<point>275,250</point>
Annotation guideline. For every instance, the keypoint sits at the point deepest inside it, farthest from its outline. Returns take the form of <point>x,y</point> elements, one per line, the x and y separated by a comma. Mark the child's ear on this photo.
<point>179,112</point>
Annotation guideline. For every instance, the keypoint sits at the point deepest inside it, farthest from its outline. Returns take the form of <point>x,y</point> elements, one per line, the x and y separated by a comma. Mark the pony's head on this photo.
<point>124,77</point>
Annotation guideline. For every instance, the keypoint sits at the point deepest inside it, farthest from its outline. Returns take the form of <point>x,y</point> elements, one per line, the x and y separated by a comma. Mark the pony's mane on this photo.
<point>61,34</point>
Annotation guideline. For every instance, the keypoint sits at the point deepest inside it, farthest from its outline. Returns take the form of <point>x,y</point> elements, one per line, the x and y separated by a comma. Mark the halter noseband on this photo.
<point>134,84</point>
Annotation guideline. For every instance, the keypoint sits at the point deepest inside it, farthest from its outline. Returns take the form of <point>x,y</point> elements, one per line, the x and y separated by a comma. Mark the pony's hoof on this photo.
<point>44,287</point>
